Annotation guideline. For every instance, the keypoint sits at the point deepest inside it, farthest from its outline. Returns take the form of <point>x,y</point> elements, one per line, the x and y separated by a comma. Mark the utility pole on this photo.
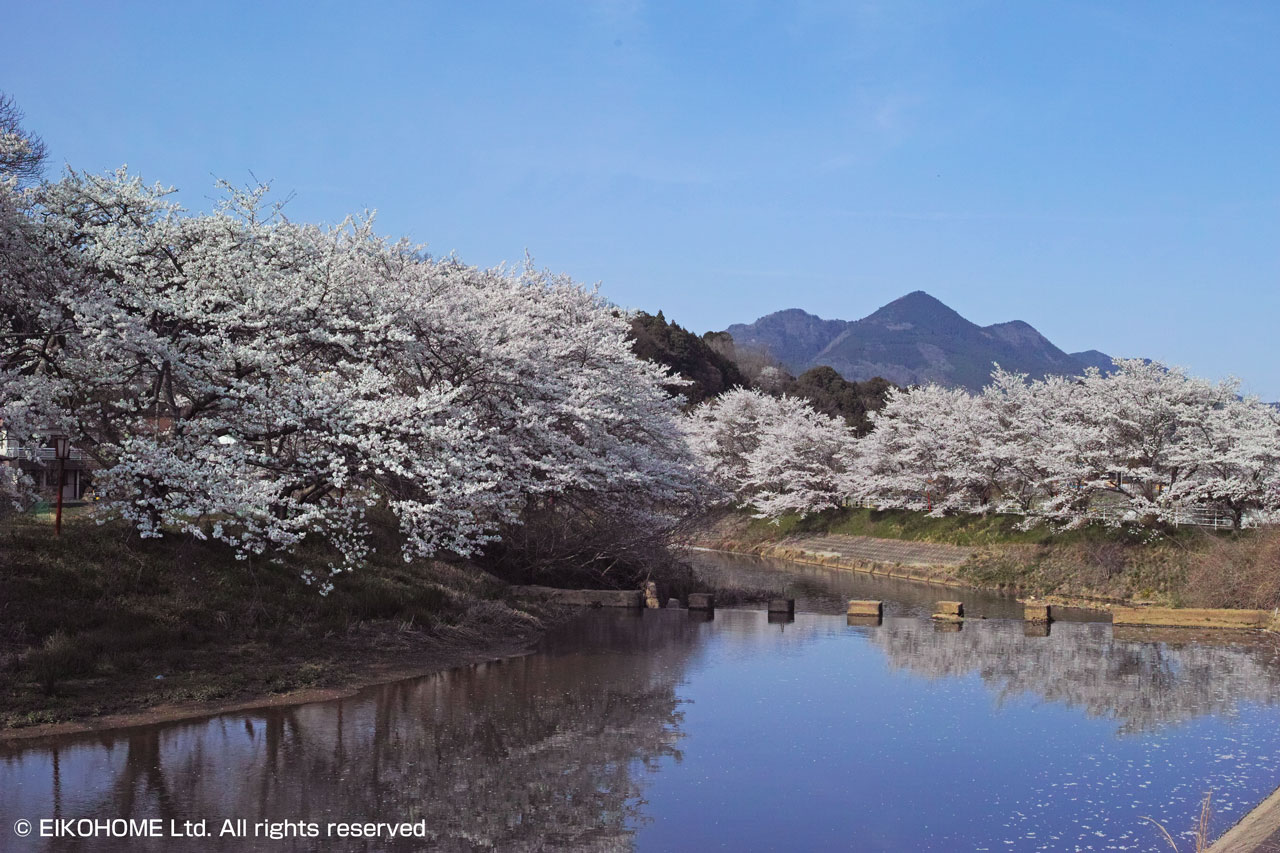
<point>62,450</point>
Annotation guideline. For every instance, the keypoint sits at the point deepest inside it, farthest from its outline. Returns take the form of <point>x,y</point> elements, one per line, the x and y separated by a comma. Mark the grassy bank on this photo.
<point>1179,567</point>
<point>99,622</point>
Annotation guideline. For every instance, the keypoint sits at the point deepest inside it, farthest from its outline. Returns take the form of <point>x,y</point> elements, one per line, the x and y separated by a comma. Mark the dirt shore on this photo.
<point>99,628</point>
<point>372,673</point>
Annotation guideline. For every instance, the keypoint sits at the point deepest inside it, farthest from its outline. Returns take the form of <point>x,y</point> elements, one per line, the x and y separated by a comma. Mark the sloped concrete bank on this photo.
<point>908,560</point>
<point>1256,832</point>
<point>943,564</point>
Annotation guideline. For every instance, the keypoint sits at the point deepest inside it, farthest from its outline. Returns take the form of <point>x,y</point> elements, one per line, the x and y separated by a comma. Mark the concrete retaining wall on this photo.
<point>1193,617</point>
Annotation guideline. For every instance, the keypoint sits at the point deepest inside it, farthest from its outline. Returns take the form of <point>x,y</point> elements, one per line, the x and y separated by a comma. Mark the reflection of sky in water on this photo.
<point>905,738</point>
<point>660,732</point>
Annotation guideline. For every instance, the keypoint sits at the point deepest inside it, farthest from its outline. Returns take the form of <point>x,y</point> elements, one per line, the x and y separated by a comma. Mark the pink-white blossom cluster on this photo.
<point>241,376</point>
<point>776,455</point>
<point>1144,443</point>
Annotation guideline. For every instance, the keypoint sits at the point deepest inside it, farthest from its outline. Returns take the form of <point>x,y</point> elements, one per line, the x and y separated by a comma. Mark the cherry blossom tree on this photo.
<point>29,325</point>
<point>932,449</point>
<point>1115,439</point>
<point>1143,442</point>
<point>803,461</point>
<point>240,376</point>
<point>22,153</point>
<point>725,431</point>
<point>1022,426</point>
<point>1233,455</point>
<point>776,455</point>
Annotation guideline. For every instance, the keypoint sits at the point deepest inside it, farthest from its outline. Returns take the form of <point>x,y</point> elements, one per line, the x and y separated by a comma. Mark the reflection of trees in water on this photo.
<point>1141,684</point>
<point>546,751</point>
<point>549,751</point>
<point>825,590</point>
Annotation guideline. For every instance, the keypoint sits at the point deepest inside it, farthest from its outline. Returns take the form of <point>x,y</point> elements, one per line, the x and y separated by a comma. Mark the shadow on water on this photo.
<point>666,729</point>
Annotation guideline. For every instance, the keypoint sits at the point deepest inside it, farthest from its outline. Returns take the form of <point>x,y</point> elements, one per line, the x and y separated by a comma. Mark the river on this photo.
<point>669,730</point>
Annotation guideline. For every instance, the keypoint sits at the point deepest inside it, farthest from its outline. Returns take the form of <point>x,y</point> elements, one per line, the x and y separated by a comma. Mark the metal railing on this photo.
<point>11,450</point>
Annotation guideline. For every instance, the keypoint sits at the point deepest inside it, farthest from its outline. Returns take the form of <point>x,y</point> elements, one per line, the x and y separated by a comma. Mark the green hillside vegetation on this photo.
<point>714,363</point>
<point>688,355</point>
<point>832,394</point>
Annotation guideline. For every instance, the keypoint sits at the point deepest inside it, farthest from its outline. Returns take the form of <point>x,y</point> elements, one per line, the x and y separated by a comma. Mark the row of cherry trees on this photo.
<point>1146,441</point>
<point>241,376</point>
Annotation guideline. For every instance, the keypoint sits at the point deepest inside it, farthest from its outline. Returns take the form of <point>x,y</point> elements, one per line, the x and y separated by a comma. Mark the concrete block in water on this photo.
<point>702,601</point>
<point>1180,617</point>
<point>947,624</point>
<point>673,604</point>
<point>865,608</point>
<point>862,621</point>
<point>948,611</point>
<point>782,605</point>
<point>1034,611</point>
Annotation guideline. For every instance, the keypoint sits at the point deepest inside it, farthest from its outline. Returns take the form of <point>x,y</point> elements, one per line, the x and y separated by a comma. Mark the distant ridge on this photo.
<point>913,340</point>
<point>793,336</point>
<point>1093,358</point>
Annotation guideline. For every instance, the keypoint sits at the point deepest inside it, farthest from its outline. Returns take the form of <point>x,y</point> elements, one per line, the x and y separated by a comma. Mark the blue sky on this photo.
<point>1105,171</point>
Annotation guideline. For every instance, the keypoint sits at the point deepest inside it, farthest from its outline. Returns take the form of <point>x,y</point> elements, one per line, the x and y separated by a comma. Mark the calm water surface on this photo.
<point>666,731</point>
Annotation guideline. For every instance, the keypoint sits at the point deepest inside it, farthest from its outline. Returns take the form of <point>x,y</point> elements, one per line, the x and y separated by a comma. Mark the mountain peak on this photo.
<point>915,310</point>
<point>917,300</point>
<point>912,340</point>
